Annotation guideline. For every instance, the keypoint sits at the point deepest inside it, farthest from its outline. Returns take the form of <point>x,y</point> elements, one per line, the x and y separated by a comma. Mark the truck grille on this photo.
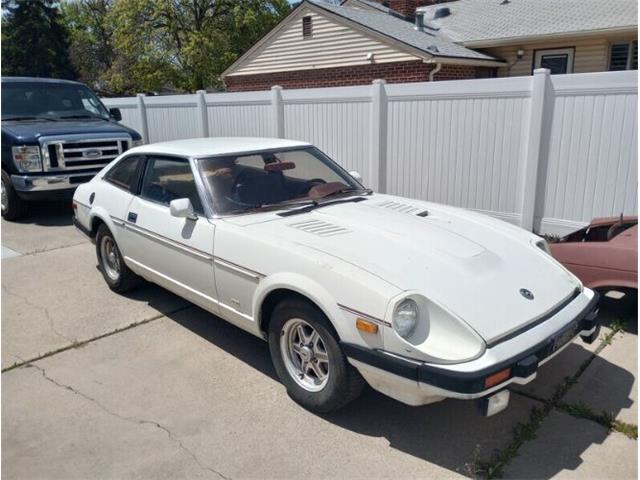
<point>78,153</point>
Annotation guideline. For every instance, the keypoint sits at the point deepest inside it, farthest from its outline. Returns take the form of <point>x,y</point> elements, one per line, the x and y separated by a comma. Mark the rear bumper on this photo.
<point>434,382</point>
<point>25,184</point>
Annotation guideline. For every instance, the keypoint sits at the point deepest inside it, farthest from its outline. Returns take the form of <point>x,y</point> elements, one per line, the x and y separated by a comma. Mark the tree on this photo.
<point>34,41</point>
<point>91,33</point>
<point>184,43</point>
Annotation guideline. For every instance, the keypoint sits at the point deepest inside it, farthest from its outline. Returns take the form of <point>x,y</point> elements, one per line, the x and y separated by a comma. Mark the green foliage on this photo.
<point>91,38</point>
<point>34,40</point>
<point>130,46</point>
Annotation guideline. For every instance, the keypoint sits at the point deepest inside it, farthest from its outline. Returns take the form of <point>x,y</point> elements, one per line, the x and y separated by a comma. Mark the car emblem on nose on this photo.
<point>92,153</point>
<point>526,293</point>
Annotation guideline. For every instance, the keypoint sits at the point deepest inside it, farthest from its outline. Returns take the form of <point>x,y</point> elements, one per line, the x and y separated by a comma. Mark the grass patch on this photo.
<point>607,420</point>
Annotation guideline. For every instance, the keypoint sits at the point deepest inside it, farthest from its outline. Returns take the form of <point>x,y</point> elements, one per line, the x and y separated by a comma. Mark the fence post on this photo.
<point>378,137</point>
<point>529,182</point>
<point>278,110</point>
<point>144,127</point>
<point>204,117</point>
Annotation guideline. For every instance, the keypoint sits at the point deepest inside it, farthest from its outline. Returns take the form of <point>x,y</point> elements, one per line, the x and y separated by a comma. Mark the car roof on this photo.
<point>214,146</point>
<point>599,222</point>
<point>38,80</point>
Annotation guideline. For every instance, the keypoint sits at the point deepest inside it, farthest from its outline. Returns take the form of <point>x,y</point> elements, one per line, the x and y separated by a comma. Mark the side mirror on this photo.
<point>115,114</point>
<point>356,175</point>
<point>182,208</point>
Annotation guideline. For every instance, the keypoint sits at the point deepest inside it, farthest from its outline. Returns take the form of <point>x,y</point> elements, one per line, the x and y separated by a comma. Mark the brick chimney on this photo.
<point>408,7</point>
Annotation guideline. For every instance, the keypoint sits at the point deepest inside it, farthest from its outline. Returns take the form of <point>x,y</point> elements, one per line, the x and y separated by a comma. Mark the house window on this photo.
<point>558,60</point>
<point>623,56</point>
<point>307,27</point>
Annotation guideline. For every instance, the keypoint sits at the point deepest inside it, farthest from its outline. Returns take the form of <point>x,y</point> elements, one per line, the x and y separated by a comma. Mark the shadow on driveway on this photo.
<point>450,434</point>
<point>48,214</point>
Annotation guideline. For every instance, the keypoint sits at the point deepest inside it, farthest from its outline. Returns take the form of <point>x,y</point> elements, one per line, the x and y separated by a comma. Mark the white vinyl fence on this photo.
<point>545,152</point>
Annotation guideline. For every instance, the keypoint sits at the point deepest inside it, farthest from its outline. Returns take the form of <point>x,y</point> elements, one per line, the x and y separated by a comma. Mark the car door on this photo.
<point>176,253</point>
<point>116,192</point>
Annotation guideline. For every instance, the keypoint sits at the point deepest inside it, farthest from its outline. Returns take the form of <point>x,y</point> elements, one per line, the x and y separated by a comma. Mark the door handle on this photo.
<point>132,217</point>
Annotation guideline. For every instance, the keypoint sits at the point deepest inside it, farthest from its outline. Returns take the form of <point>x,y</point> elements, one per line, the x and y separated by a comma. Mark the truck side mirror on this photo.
<point>115,114</point>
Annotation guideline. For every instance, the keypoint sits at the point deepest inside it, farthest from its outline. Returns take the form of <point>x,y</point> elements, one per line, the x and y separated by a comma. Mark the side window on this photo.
<point>124,173</point>
<point>167,179</point>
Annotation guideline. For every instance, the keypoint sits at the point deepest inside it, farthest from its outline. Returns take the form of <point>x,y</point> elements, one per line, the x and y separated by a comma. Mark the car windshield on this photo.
<point>50,101</point>
<point>274,179</point>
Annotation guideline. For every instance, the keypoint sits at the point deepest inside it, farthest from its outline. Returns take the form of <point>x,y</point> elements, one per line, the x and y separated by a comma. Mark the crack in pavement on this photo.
<point>47,314</point>
<point>137,421</point>
<point>45,249</point>
<point>82,343</point>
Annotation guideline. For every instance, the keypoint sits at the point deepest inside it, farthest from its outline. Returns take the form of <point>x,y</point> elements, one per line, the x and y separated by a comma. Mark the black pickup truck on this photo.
<point>56,134</point>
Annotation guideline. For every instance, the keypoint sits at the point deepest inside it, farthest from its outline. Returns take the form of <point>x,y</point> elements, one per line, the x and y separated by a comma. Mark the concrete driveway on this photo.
<point>97,385</point>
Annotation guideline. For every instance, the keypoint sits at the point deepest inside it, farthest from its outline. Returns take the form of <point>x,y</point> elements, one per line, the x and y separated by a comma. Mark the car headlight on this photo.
<point>27,158</point>
<point>405,317</point>
<point>137,143</point>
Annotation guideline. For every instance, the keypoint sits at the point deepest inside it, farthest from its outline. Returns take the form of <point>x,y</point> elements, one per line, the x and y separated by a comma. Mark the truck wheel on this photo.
<point>308,359</point>
<point>13,207</point>
<point>115,272</point>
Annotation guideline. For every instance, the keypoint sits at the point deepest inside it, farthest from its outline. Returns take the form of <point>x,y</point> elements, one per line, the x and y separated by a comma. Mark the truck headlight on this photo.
<point>27,158</point>
<point>405,317</point>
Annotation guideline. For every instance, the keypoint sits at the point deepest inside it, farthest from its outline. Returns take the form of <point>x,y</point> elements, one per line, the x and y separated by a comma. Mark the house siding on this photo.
<point>590,55</point>
<point>331,45</point>
<point>400,72</point>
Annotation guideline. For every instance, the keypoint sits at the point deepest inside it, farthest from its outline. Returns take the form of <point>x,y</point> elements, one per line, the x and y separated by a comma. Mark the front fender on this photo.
<point>306,287</point>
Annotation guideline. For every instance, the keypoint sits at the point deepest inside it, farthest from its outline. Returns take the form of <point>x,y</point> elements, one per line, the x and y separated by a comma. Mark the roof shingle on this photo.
<point>485,20</point>
<point>403,31</point>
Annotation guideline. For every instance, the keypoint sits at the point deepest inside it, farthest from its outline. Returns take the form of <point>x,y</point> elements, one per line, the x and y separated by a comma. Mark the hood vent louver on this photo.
<point>403,208</point>
<point>320,228</point>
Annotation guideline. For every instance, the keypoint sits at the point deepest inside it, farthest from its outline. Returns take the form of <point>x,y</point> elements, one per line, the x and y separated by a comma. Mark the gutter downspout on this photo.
<point>434,71</point>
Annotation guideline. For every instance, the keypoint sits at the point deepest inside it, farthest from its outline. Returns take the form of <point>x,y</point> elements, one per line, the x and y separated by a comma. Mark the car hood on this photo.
<point>472,265</point>
<point>30,131</point>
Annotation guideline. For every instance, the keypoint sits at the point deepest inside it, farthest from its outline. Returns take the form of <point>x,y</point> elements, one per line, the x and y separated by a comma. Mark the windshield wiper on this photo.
<point>28,117</point>
<point>347,191</point>
<point>317,204</point>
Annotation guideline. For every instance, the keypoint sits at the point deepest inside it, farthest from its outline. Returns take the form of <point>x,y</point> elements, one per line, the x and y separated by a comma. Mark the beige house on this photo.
<point>566,36</point>
<point>324,44</point>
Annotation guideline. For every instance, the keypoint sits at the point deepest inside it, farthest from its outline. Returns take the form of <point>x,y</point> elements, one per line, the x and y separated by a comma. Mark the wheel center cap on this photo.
<point>306,354</point>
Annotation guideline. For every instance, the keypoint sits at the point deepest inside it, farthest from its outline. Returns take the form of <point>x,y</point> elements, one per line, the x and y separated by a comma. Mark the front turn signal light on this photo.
<point>497,378</point>
<point>366,326</point>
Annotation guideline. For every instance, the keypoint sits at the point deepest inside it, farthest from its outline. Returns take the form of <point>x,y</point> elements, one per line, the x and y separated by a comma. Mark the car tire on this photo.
<point>329,381</point>
<point>118,276</point>
<point>13,207</point>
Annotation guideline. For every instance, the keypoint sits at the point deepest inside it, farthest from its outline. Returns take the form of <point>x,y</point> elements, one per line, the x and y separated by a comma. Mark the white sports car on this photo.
<point>422,301</point>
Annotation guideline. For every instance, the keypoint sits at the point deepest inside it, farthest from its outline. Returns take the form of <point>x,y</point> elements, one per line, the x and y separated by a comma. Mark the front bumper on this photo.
<point>47,183</point>
<point>419,383</point>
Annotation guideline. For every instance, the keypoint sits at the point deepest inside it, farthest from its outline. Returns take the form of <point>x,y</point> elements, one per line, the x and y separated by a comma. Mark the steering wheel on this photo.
<point>314,181</point>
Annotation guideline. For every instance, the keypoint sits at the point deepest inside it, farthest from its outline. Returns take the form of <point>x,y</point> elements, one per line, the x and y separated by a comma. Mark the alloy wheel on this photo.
<point>110,258</point>
<point>304,354</point>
